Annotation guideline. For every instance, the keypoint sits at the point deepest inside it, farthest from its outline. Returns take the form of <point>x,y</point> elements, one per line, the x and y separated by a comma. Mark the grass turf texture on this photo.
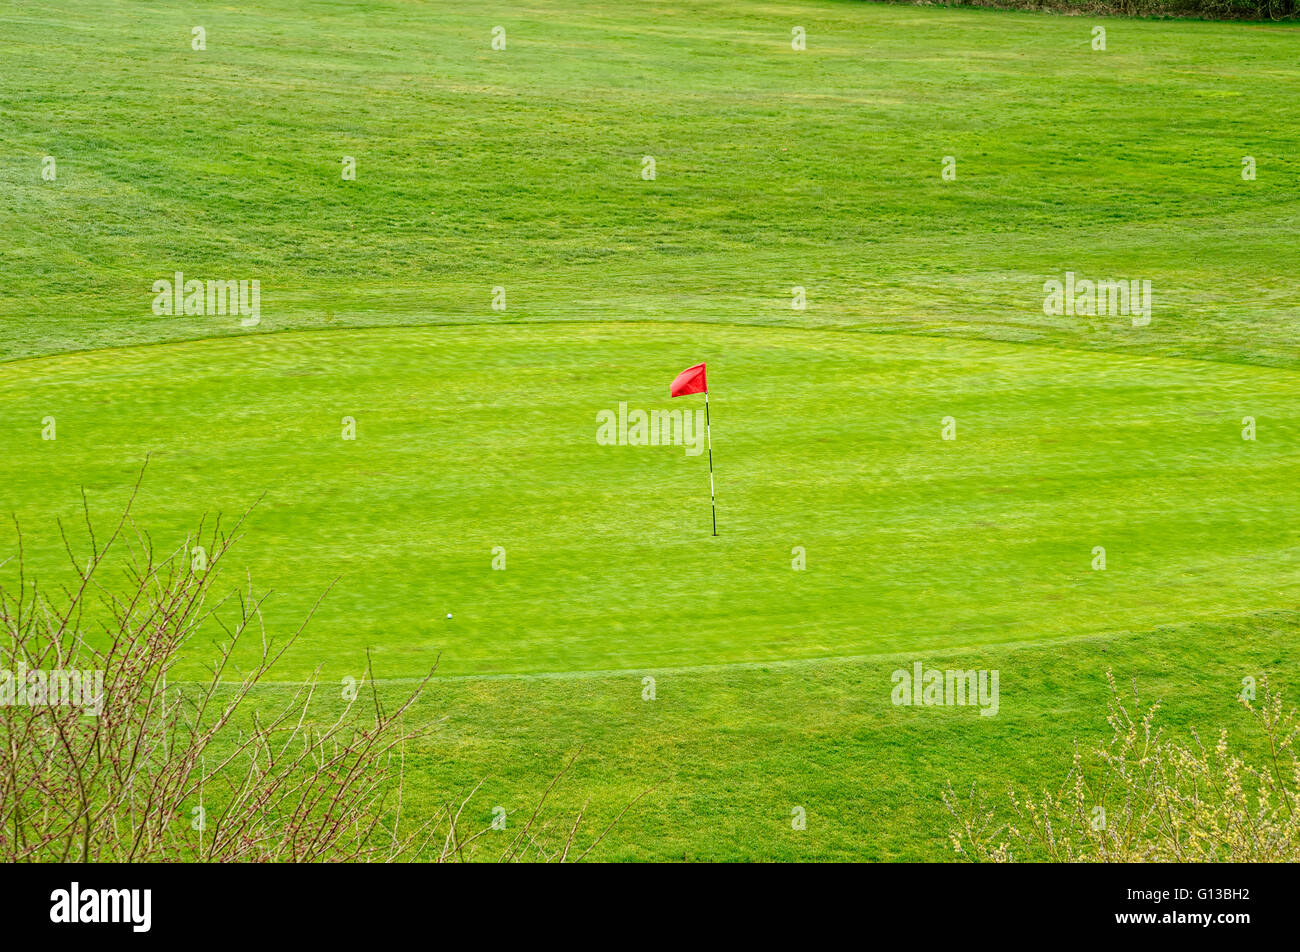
<point>775,168</point>
<point>470,438</point>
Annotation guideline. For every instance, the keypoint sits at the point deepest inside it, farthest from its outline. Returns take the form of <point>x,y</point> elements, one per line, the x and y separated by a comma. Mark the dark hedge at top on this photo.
<point>1203,9</point>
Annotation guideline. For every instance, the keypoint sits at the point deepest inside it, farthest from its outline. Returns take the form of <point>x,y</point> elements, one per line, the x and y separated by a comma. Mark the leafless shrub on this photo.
<point>193,771</point>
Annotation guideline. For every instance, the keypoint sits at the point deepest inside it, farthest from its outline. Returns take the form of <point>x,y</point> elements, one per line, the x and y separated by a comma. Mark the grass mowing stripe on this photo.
<point>468,439</point>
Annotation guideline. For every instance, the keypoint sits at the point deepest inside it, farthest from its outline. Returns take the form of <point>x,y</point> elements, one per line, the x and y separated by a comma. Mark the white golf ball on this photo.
<point>448,614</point>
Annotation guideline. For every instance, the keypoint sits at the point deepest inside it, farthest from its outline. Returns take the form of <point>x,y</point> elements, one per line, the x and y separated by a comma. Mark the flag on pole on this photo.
<point>690,380</point>
<point>693,380</point>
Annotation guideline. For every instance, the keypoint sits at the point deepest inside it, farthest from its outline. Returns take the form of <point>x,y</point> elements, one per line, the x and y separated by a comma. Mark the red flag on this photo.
<point>690,380</point>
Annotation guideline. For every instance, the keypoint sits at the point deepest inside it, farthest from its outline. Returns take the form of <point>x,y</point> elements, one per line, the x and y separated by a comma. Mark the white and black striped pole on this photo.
<point>708,433</point>
<point>695,380</point>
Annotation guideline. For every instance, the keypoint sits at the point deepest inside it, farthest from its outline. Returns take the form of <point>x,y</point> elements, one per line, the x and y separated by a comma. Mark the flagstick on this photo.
<point>708,432</point>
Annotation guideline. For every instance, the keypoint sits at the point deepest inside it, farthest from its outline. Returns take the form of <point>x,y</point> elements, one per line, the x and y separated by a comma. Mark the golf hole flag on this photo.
<point>690,380</point>
<point>694,380</point>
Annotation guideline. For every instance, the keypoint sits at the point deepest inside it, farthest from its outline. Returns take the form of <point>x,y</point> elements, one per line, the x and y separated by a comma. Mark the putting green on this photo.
<point>469,438</point>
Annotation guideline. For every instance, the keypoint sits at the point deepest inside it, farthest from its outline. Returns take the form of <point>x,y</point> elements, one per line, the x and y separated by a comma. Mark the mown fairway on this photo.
<point>476,428</point>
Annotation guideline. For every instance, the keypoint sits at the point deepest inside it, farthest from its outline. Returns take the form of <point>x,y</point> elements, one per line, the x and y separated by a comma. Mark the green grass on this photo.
<point>521,168</point>
<point>472,438</point>
<point>723,755</point>
<point>477,428</point>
